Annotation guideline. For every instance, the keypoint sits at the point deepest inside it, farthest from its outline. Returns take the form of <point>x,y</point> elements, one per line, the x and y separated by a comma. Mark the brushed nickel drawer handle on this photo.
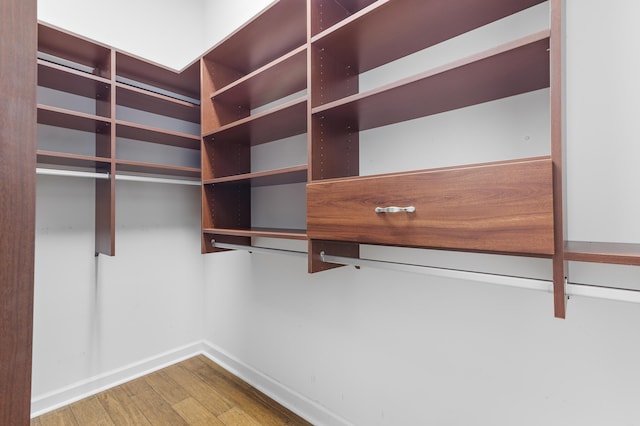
<point>394,209</point>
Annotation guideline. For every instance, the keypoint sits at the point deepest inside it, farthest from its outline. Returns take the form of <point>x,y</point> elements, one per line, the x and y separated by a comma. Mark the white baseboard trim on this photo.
<point>299,404</point>
<point>42,404</point>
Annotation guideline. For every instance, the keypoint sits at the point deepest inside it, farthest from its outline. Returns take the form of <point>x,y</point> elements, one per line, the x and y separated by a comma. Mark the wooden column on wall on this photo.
<point>17,205</point>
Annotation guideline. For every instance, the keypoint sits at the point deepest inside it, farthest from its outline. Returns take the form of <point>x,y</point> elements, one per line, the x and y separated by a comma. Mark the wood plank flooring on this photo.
<point>193,392</point>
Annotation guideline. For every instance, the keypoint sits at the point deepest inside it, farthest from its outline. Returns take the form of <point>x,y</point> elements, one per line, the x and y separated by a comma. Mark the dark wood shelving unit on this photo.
<point>262,64</point>
<point>77,66</point>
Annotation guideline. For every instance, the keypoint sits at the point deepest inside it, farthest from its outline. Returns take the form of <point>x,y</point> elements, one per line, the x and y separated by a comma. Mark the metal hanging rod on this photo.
<point>132,178</point>
<point>571,289</point>
<point>95,175</point>
<point>71,173</point>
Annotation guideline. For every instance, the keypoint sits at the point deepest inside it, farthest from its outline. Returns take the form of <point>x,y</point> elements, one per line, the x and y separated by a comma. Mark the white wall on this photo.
<point>374,347</point>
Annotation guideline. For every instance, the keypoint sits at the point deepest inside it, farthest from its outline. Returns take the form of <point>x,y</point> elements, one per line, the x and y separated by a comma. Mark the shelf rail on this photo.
<point>571,289</point>
<point>131,178</point>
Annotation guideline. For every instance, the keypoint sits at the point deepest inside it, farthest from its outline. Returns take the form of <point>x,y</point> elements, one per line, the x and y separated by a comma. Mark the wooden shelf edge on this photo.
<point>289,234</point>
<point>600,252</point>
<point>294,174</point>
<point>256,117</point>
<point>244,80</point>
<point>155,168</point>
<point>54,158</point>
<point>72,71</point>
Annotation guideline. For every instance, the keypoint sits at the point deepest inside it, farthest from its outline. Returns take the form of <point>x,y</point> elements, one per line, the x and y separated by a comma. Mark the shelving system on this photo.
<point>253,92</point>
<point>103,101</point>
<point>250,87</point>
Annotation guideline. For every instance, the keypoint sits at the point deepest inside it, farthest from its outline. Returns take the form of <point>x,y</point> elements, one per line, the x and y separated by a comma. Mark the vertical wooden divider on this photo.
<point>18,140</point>
<point>105,214</point>
<point>557,156</point>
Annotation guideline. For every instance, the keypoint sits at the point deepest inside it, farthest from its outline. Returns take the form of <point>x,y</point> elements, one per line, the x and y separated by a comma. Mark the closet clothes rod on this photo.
<point>95,175</point>
<point>571,289</point>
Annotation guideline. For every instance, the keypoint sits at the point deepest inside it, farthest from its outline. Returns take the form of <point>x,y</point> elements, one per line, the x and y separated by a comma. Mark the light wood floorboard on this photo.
<point>193,392</point>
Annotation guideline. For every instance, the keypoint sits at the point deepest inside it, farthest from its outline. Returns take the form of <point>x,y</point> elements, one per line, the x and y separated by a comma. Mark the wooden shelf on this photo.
<point>60,117</point>
<point>185,82</point>
<point>295,174</point>
<point>72,160</point>
<point>155,135</point>
<point>616,253</point>
<point>279,29</point>
<point>59,77</point>
<point>288,119</point>
<point>291,234</point>
<point>326,13</point>
<point>517,67</point>
<point>140,99</point>
<point>387,30</point>
<point>280,78</point>
<point>74,48</point>
<point>157,169</point>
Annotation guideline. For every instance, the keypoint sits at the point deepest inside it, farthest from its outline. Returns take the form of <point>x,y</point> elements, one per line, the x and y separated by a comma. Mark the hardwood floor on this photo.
<point>193,392</point>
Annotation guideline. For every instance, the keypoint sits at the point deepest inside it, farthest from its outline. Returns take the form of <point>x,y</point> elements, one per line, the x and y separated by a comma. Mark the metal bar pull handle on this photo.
<point>394,209</point>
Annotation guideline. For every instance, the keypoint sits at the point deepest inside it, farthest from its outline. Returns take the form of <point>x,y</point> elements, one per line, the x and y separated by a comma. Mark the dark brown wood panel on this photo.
<point>334,248</point>
<point>387,30</point>
<point>335,149</point>
<point>18,41</point>
<point>517,67</point>
<point>228,206</point>
<point>557,156</point>
<point>504,207</point>
<point>225,158</point>
<point>331,78</point>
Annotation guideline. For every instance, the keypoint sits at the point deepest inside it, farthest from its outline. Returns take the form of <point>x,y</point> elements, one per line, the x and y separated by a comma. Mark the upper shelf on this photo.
<point>388,30</point>
<point>60,117</point>
<point>288,119</point>
<point>140,99</point>
<point>155,135</point>
<point>517,67</point>
<point>59,77</point>
<point>74,48</point>
<point>280,78</point>
<point>155,76</point>
<point>279,29</point>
